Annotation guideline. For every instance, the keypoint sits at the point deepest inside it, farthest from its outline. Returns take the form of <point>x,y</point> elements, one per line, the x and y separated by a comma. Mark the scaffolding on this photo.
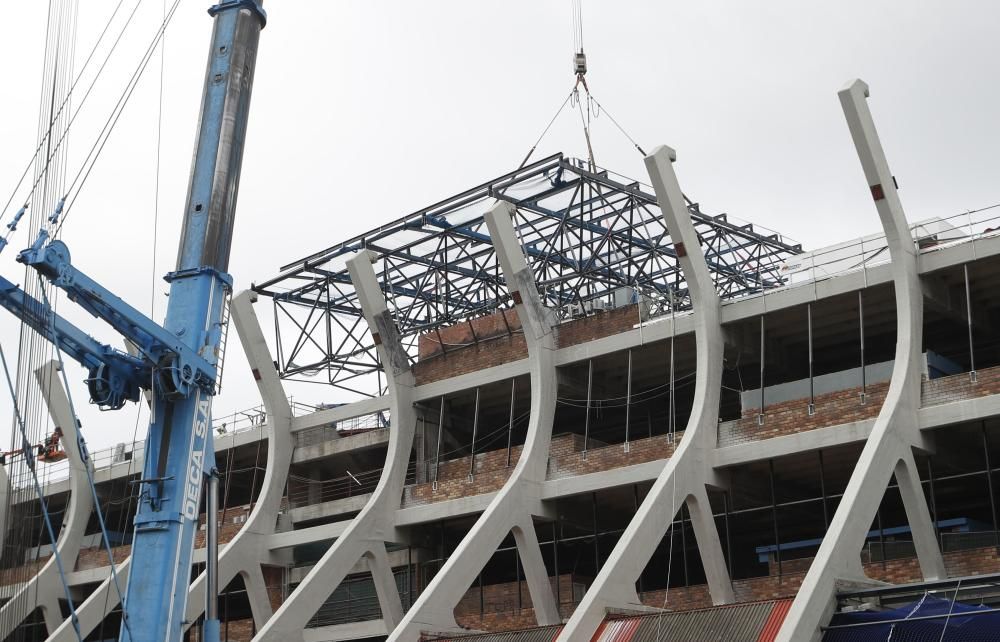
<point>593,239</point>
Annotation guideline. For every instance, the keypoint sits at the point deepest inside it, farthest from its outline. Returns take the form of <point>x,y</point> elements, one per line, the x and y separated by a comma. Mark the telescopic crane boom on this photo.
<point>178,361</point>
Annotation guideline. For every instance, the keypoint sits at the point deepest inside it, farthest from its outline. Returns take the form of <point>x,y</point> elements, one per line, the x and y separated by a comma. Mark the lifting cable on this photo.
<point>85,459</point>
<point>102,138</point>
<point>593,108</point>
<point>47,136</point>
<point>30,464</point>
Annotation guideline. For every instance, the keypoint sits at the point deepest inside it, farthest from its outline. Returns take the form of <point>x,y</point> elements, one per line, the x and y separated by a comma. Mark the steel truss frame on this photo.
<point>586,233</point>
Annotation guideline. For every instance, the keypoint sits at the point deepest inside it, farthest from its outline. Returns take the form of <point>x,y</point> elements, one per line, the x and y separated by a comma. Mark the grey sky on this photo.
<point>364,111</point>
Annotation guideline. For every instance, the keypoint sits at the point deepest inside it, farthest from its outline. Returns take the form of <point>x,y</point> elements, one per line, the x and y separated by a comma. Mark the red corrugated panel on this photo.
<point>774,621</point>
<point>617,630</point>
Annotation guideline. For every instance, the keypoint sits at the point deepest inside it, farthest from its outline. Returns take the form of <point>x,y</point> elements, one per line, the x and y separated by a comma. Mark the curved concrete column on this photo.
<point>513,506</point>
<point>889,448</point>
<point>244,553</point>
<point>688,471</point>
<point>375,524</point>
<point>45,589</point>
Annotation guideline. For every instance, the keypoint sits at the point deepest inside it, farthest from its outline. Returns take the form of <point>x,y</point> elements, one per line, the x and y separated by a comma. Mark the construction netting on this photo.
<point>930,619</point>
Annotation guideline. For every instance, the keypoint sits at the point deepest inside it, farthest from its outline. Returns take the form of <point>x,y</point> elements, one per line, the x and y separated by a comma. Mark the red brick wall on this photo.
<point>960,386</point>
<point>789,417</point>
<point>565,459</point>
<point>460,335</point>
<point>613,456</point>
<point>596,326</point>
<point>464,354</point>
<point>477,357</point>
<point>500,605</point>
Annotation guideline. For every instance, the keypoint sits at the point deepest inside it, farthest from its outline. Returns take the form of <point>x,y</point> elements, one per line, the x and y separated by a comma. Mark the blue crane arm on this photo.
<point>114,376</point>
<point>179,366</point>
<point>178,360</point>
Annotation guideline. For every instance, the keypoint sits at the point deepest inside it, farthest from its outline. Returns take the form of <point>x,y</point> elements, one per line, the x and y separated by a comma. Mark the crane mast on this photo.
<point>179,451</point>
<point>178,363</point>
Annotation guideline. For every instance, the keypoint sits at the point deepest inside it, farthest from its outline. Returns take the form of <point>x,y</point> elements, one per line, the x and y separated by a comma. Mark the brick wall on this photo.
<point>97,556</point>
<point>565,459</point>
<point>599,325</point>
<point>238,630</point>
<point>606,457</point>
<point>466,333</point>
<point>487,343</point>
<point>500,605</point>
<point>486,354</point>
<point>960,386</point>
<point>789,417</point>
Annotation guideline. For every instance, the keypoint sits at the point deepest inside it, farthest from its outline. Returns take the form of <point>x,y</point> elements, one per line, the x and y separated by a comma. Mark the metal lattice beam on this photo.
<point>586,235</point>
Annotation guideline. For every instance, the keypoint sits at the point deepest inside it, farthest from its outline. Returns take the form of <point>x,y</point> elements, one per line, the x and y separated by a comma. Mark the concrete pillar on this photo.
<point>244,553</point>
<point>385,587</point>
<point>260,600</point>
<point>93,610</point>
<point>375,524</point>
<point>895,432</point>
<point>520,496</point>
<point>45,589</point>
<point>688,470</point>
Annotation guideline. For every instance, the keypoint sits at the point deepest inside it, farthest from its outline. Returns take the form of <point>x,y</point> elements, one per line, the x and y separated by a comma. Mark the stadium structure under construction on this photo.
<point>593,411</point>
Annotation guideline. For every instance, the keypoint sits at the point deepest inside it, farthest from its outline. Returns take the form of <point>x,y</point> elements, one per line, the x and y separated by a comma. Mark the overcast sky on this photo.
<point>364,111</point>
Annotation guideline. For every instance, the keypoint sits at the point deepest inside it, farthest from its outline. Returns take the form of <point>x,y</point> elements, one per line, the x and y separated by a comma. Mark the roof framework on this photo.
<point>586,233</point>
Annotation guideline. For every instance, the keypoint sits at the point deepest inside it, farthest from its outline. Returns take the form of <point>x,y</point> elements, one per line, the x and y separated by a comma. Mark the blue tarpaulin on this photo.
<point>922,621</point>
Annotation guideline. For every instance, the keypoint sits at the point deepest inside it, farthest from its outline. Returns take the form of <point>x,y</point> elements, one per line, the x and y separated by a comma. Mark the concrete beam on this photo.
<point>686,474</point>
<point>510,508</point>
<point>45,589</point>
<point>367,534</point>
<point>895,433</point>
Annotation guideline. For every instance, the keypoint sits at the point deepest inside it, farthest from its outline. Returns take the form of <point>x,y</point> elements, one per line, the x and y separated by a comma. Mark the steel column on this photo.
<point>475,429</point>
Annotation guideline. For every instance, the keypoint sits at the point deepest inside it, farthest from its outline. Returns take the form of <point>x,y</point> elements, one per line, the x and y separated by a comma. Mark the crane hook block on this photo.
<point>580,63</point>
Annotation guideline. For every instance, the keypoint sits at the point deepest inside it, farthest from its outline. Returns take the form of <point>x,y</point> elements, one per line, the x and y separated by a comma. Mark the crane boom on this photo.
<point>179,446</point>
<point>179,360</point>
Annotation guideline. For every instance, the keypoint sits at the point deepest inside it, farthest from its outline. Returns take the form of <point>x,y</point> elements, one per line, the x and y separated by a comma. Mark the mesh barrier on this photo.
<point>931,619</point>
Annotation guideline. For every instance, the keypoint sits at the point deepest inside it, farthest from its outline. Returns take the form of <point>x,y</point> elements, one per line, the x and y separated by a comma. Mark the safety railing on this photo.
<point>303,491</point>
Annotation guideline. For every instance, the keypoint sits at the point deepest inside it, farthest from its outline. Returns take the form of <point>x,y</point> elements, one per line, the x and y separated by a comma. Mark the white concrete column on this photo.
<point>520,496</point>
<point>895,433</point>
<point>45,589</point>
<point>535,575</point>
<point>95,608</point>
<point>688,470</point>
<point>385,587</point>
<point>245,552</point>
<point>375,524</point>
<point>260,601</point>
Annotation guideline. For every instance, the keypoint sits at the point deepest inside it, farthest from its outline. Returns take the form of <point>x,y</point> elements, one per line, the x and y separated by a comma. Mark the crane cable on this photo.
<point>593,107</point>
<point>85,460</point>
<point>69,199</point>
<point>63,105</point>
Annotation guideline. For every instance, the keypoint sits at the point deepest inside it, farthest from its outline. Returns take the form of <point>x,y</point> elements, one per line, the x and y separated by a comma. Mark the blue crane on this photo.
<point>176,363</point>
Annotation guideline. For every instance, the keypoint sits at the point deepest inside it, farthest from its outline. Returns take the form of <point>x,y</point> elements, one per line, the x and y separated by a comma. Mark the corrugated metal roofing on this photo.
<point>774,621</point>
<point>541,634</point>
<point>738,623</point>
<point>617,630</point>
